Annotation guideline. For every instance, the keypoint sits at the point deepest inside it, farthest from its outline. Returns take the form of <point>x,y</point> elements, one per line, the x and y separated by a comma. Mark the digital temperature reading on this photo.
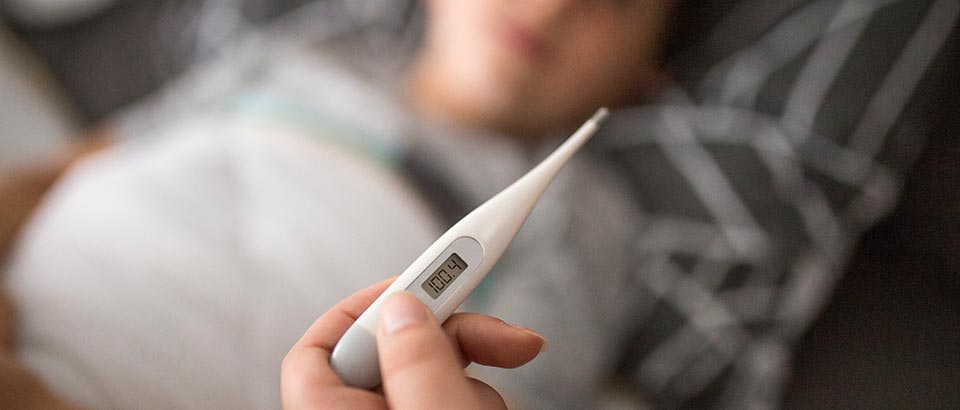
<point>445,274</point>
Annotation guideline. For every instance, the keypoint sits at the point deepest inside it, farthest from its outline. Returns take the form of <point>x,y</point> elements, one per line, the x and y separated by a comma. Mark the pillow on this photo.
<point>786,135</point>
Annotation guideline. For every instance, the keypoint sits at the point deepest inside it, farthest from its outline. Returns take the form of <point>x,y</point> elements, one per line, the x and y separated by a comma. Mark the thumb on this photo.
<point>418,365</point>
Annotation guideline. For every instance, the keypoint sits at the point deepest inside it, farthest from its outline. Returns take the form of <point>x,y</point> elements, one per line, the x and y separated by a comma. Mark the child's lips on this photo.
<point>523,40</point>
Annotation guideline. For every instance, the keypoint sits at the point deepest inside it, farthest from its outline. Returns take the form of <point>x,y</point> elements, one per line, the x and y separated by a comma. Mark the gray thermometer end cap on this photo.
<point>355,358</point>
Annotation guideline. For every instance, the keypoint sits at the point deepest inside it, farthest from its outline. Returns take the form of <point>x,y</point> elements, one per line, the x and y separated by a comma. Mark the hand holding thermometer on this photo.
<point>448,271</point>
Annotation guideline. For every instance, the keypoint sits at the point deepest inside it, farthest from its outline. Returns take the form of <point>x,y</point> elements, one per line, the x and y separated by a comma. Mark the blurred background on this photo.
<point>68,64</point>
<point>890,335</point>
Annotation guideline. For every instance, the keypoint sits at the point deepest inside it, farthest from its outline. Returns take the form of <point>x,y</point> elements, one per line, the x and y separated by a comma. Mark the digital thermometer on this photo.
<point>448,271</point>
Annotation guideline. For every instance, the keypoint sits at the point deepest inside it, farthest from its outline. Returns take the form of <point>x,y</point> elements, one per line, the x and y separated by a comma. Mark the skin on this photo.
<point>525,68</point>
<point>530,68</point>
<point>21,190</point>
<point>418,357</point>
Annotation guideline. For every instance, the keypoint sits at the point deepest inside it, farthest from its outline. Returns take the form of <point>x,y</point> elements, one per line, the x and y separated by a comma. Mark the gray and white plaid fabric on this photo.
<point>757,174</point>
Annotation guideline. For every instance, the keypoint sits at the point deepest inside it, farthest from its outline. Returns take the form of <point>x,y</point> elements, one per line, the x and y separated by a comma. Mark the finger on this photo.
<point>489,398</point>
<point>490,341</point>
<point>306,375</point>
<point>306,380</point>
<point>327,330</point>
<point>302,386</point>
<point>419,366</point>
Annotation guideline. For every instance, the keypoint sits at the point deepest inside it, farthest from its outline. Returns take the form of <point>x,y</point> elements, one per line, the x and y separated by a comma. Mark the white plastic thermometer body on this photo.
<point>448,271</point>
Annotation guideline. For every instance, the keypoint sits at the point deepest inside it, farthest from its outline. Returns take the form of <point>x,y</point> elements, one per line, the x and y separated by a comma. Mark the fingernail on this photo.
<point>544,343</point>
<point>545,346</point>
<point>401,310</point>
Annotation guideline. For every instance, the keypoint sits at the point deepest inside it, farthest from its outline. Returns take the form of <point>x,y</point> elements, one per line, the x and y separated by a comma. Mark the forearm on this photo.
<point>23,188</point>
<point>18,388</point>
<point>21,191</point>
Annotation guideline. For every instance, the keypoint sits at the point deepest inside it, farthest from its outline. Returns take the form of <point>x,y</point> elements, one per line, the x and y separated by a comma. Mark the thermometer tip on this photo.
<point>600,116</point>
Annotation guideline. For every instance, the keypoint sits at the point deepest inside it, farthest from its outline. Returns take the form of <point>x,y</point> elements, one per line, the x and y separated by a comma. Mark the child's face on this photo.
<point>529,66</point>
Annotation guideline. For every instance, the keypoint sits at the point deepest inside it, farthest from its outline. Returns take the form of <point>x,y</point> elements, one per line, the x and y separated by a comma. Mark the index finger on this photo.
<point>330,326</point>
<point>306,378</point>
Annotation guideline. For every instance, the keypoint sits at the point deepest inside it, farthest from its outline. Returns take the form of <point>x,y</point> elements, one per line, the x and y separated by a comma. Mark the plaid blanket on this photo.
<point>787,135</point>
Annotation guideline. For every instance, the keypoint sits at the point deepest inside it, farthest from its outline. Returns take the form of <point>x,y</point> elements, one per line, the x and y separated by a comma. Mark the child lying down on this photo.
<point>180,266</point>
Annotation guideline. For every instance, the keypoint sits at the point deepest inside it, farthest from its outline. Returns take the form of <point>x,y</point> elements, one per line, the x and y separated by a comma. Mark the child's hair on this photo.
<point>692,22</point>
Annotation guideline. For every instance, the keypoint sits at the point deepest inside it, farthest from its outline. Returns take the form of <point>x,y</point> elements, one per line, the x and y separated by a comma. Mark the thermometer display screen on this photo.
<point>441,279</point>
